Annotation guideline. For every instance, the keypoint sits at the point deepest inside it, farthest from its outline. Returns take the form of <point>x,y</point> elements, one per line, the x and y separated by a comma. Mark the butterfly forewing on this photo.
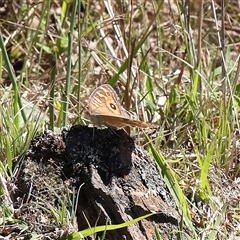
<point>104,101</point>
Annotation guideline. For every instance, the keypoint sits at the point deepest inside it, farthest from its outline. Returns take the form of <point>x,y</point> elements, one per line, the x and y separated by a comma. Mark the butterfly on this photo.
<point>105,109</point>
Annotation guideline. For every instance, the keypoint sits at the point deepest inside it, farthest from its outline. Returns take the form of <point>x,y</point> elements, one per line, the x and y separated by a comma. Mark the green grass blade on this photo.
<point>9,155</point>
<point>51,106</point>
<point>91,231</point>
<point>157,234</point>
<point>12,79</point>
<point>173,186</point>
<point>69,63</point>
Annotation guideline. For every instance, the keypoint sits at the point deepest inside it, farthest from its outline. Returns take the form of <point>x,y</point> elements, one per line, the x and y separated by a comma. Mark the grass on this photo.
<point>155,49</point>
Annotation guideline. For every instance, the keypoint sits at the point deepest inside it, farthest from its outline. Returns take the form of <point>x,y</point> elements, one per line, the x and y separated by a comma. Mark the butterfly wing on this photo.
<point>121,122</point>
<point>103,101</point>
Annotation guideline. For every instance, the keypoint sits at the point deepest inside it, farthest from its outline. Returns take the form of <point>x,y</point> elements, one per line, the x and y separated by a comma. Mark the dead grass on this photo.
<point>152,49</point>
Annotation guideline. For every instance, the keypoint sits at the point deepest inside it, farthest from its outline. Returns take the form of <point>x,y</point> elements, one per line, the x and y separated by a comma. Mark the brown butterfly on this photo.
<point>105,109</point>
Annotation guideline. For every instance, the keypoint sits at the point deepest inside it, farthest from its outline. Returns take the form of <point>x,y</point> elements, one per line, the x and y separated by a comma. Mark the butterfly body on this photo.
<point>105,109</point>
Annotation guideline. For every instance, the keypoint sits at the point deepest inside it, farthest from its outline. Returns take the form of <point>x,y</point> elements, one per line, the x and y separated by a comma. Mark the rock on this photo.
<point>117,182</point>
